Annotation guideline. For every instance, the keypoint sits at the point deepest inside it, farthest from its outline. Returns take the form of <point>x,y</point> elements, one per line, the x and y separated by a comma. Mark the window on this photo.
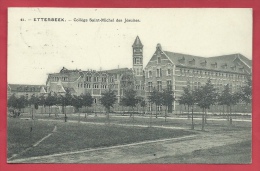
<point>103,86</point>
<point>169,72</point>
<point>104,79</point>
<point>150,86</point>
<point>159,72</point>
<point>159,59</point>
<point>159,85</point>
<point>137,61</point>
<point>150,74</point>
<point>169,85</point>
<point>88,78</point>
<point>87,85</point>
<point>95,79</point>
<point>95,85</point>
<point>159,108</point>
<point>150,107</point>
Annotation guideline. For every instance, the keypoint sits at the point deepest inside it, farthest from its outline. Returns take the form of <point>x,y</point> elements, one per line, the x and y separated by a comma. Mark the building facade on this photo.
<point>170,70</point>
<point>165,70</point>
<point>25,90</point>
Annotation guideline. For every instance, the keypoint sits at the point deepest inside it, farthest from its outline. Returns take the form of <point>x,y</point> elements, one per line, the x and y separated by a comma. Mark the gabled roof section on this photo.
<point>137,42</point>
<point>218,62</point>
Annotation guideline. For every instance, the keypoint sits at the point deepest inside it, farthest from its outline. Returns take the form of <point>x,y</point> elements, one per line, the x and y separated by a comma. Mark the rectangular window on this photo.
<point>95,86</point>
<point>159,85</point>
<point>95,79</point>
<point>137,61</point>
<point>169,72</point>
<point>150,74</point>
<point>104,79</point>
<point>159,72</point>
<point>150,86</point>
<point>159,60</point>
<point>169,85</point>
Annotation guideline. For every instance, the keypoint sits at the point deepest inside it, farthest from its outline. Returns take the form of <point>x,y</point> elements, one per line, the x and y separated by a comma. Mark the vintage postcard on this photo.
<point>129,85</point>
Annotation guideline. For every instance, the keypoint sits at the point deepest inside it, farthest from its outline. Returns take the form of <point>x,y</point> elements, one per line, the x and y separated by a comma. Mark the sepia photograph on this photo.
<point>129,85</point>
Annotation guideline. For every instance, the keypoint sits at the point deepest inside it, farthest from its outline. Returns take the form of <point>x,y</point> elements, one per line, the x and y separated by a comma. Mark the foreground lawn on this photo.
<point>20,136</point>
<point>75,136</point>
<point>234,153</point>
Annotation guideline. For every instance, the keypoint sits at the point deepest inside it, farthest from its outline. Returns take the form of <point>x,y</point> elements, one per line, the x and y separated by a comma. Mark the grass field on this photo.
<point>22,134</point>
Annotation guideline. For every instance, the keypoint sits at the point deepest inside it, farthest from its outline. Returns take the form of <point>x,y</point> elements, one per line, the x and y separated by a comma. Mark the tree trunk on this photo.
<point>133,113</point>
<point>205,117</point>
<point>224,111</point>
<point>188,116</point>
<point>108,110</point>
<point>227,114</point>
<point>65,114</point>
<point>192,122</point>
<point>32,113</point>
<point>202,122</point>
<point>156,111</point>
<point>49,111</point>
<point>85,112</point>
<point>151,115</point>
<point>165,114</point>
<point>230,117</point>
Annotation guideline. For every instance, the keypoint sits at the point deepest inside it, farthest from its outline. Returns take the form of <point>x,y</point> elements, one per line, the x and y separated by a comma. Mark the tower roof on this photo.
<point>137,42</point>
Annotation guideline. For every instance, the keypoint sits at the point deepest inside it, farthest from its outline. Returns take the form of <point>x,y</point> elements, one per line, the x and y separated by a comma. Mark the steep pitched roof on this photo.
<point>216,63</point>
<point>137,42</point>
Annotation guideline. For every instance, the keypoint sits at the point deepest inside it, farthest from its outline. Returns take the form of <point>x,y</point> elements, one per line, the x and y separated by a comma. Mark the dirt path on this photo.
<point>143,152</point>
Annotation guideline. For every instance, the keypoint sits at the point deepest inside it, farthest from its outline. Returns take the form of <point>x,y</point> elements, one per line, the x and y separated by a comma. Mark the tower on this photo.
<point>138,57</point>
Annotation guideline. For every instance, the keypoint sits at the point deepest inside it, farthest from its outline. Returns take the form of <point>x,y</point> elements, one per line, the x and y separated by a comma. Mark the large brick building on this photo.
<point>164,70</point>
<point>174,70</point>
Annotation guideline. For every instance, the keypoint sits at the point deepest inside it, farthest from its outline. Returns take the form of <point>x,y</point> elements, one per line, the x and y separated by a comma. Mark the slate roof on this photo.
<point>137,42</point>
<point>216,63</point>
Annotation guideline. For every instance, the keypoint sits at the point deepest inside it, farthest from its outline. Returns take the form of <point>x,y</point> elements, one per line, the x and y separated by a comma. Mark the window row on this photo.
<point>159,86</point>
<point>159,73</point>
<point>95,86</point>
<point>57,78</point>
<point>220,74</point>
<point>96,79</point>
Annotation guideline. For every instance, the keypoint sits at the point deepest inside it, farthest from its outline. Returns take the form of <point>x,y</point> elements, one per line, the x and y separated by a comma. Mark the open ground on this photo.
<point>124,139</point>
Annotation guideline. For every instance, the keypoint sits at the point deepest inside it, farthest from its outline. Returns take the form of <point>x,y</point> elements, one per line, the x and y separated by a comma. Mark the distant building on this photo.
<point>25,90</point>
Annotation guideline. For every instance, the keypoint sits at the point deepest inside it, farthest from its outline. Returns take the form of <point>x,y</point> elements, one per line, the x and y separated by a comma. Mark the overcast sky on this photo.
<point>36,48</point>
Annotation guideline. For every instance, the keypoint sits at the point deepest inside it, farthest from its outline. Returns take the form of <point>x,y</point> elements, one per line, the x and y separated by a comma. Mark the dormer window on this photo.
<point>203,63</point>
<point>182,60</point>
<point>214,65</point>
<point>233,67</point>
<point>224,66</point>
<point>241,69</point>
<point>192,62</point>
